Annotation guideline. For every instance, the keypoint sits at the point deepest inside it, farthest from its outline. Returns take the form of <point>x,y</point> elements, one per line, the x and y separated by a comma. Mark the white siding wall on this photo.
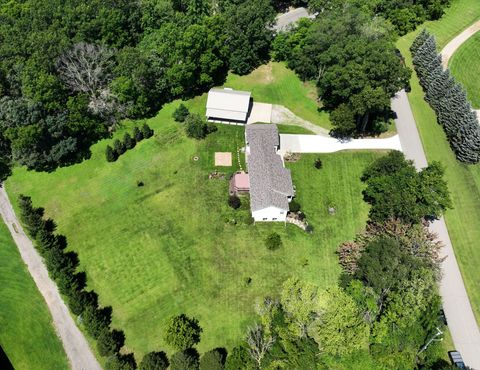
<point>270,214</point>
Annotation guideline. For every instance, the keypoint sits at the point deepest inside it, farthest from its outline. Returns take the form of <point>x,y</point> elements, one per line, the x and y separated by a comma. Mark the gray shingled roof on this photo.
<point>270,182</point>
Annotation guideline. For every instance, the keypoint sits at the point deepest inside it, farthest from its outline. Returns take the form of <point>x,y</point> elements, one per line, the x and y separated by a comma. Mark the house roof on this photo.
<point>228,104</point>
<point>270,182</point>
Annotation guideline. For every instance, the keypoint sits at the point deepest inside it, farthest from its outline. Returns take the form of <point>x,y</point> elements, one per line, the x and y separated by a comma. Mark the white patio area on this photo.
<point>324,144</point>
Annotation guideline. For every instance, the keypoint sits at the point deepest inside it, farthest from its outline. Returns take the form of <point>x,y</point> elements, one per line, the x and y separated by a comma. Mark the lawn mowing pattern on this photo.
<point>465,67</point>
<point>464,180</point>
<point>169,247</point>
<point>27,334</point>
<point>276,84</point>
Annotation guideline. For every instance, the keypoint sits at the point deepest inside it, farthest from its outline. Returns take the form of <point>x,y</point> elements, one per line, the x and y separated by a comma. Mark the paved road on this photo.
<point>456,304</point>
<point>76,347</point>
<point>322,144</point>
<point>286,19</point>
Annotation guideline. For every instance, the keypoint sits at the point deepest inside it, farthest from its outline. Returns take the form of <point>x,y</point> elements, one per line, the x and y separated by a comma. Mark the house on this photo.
<point>271,187</point>
<point>228,106</point>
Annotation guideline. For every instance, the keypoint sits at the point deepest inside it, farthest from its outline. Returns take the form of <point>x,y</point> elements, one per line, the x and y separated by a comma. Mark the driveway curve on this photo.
<point>450,49</point>
<point>76,346</point>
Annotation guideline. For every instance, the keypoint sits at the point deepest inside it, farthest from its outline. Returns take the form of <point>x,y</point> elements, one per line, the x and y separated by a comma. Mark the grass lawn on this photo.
<point>276,84</point>
<point>464,181</point>
<point>172,247</point>
<point>26,332</point>
<point>465,67</point>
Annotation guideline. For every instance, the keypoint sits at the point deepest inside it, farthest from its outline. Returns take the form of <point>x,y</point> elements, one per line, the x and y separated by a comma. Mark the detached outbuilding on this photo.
<point>228,105</point>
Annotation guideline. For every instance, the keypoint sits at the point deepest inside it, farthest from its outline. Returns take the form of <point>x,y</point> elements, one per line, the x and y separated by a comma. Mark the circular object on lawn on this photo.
<point>196,158</point>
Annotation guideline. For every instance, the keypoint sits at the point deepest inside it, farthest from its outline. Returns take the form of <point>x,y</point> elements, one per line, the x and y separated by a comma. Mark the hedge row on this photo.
<point>62,266</point>
<point>128,142</point>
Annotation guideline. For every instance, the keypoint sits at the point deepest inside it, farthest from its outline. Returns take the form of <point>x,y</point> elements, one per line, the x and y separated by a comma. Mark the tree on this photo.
<point>234,201</point>
<point>384,266</point>
<point>147,131</point>
<point>185,360</point>
<point>119,147</point>
<point>110,154</point>
<point>180,113</point>
<point>137,134</point>
<point>214,359</point>
<point>294,206</point>
<point>109,342</point>
<point>343,120</point>
<point>97,320</point>
<point>249,32</point>
<point>86,68</point>
<point>396,190</point>
<point>182,332</point>
<point>259,343</point>
<point>195,126</point>
<point>239,359</point>
<point>121,362</point>
<point>154,361</point>
<point>128,141</point>
<point>273,241</point>
<point>81,300</point>
<point>340,328</point>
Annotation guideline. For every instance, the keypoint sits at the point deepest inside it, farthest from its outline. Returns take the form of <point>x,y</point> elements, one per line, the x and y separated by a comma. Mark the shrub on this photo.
<point>234,202</point>
<point>182,332</point>
<point>121,362</point>
<point>185,360</point>
<point>195,126</point>
<point>180,113</point>
<point>273,241</point>
<point>110,341</point>
<point>128,142</point>
<point>137,134</point>
<point>110,154</point>
<point>154,361</point>
<point>318,163</point>
<point>147,131</point>
<point>119,147</point>
<point>214,359</point>
<point>294,206</point>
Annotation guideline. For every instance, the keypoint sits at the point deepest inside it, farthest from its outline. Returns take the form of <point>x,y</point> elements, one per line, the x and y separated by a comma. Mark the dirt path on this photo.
<point>283,115</point>
<point>450,49</point>
<point>455,301</point>
<point>76,346</point>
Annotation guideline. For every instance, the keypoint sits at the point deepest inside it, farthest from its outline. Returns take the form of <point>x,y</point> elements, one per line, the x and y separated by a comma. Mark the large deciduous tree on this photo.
<point>182,332</point>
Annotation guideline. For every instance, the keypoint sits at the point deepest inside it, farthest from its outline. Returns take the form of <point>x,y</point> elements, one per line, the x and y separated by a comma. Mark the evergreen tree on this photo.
<point>128,141</point>
<point>119,147</point>
<point>110,341</point>
<point>137,134</point>
<point>147,131</point>
<point>110,154</point>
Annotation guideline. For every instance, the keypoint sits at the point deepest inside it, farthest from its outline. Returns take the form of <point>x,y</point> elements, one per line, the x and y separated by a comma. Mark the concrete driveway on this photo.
<point>261,112</point>
<point>291,17</point>
<point>323,144</point>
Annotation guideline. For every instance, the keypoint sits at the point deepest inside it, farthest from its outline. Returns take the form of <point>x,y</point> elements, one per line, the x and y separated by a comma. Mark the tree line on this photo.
<point>447,98</point>
<point>71,70</point>
<point>386,306</point>
<point>128,142</point>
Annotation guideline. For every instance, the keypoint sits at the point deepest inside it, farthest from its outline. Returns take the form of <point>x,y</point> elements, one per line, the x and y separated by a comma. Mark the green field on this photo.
<point>276,84</point>
<point>171,246</point>
<point>26,332</point>
<point>464,181</point>
<point>465,67</point>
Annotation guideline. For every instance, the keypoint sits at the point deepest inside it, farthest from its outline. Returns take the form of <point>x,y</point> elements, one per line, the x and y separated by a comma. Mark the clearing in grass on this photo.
<point>463,220</point>
<point>174,245</point>
<point>27,334</point>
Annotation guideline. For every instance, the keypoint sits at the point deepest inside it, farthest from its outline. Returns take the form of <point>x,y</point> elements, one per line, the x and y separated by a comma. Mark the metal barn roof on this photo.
<point>228,104</point>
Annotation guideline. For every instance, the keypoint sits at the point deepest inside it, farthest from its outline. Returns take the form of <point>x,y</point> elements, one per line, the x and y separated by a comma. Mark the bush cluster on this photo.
<point>447,98</point>
<point>61,266</point>
<point>128,142</point>
<point>196,127</point>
